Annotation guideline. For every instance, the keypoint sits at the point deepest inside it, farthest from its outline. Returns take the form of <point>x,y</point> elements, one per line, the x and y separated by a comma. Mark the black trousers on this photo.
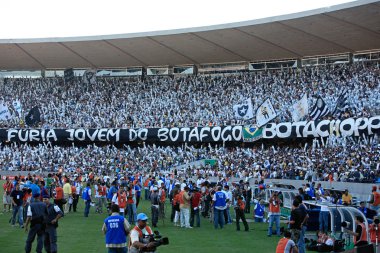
<point>247,206</point>
<point>172,214</point>
<point>75,204</point>
<point>50,242</point>
<point>240,215</point>
<point>154,216</point>
<point>35,230</point>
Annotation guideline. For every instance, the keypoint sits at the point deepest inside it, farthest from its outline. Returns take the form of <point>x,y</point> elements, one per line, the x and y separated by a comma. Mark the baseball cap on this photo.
<point>142,216</point>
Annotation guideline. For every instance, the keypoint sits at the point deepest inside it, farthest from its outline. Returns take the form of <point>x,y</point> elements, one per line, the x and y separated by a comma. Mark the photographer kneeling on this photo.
<point>360,235</point>
<point>140,236</point>
<point>374,231</point>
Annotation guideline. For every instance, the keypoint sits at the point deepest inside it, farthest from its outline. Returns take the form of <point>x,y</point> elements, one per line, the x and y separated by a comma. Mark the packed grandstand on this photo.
<point>192,101</point>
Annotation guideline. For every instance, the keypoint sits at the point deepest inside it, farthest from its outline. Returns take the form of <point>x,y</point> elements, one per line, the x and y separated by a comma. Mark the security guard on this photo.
<point>35,216</point>
<point>116,229</point>
<point>51,223</point>
<point>139,240</point>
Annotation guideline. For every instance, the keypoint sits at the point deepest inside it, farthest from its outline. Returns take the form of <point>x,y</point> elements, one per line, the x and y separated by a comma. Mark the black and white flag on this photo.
<point>33,117</point>
<point>244,110</point>
<point>89,76</point>
<point>319,110</point>
<point>341,102</point>
<point>265,113</point>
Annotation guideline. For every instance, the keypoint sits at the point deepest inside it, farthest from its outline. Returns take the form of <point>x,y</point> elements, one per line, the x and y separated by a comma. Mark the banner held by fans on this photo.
<point>357,127</point>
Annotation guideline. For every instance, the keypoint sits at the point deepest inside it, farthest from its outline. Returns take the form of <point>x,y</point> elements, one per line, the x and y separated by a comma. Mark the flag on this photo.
<point>68,75</point>
<point>17,106</point>
<point>244,110</point>
<point>341,102</point>
<point>300,109</point>
<point>265,113</point>
<point>33,117</point>
<point>252,133</point>
<point>5,114</point>
<point>319,110</point>
<point>89,76</point>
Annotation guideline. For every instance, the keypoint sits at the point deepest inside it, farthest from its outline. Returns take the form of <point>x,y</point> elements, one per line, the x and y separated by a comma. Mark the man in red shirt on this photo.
<point>194,211</point>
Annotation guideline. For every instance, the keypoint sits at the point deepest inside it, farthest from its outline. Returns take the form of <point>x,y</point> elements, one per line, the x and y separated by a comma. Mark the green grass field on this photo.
<point>77,234</point>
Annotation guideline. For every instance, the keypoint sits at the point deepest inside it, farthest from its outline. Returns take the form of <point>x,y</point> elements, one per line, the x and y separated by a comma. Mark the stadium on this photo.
<point>197,132</point>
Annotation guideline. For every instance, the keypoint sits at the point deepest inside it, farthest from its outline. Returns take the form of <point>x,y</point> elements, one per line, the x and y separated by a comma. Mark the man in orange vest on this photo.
<point>58,199</point>
<point>239,209</point>
<point>7,187</point>
<point>375,199</point>
<point>162,199</point>
<point>131,203</point>
<point>274,213</point>
<point>74,200</point>
<point>120,199</point>
<point>360,234</point>
<point>286,245</point>
<point>139,236</point>
<point>146,187</point>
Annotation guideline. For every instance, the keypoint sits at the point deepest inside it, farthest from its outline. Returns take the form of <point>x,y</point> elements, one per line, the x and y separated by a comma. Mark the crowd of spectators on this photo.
<point>348,162</point>
<point>189,101</point>
<point>196,101</point>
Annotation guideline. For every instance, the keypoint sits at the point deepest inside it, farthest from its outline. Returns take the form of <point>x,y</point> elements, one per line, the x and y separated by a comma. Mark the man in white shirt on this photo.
<point>227,214</point>
<point>324,213</point>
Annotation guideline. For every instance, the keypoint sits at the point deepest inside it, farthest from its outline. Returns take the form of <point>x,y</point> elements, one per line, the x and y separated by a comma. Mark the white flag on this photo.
<point>17,106</point>
<point>89,76</point>
<point>244,110</point>
<point>265,113</point>
<point>5,114</point>
<point>300,109</point>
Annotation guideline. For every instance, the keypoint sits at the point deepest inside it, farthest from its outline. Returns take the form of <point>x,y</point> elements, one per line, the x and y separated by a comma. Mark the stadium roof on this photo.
<point>349,27</point>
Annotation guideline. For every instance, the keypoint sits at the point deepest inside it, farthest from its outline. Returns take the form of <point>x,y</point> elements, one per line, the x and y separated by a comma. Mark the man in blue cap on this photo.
<point>140,236</point>
<point>51,222</point>
<point>35,217</point>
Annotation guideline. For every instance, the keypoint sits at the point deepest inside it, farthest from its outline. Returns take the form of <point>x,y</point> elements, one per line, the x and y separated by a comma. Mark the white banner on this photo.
<point>300,109</point>
<point>265,113</point>
<point>244,110</point>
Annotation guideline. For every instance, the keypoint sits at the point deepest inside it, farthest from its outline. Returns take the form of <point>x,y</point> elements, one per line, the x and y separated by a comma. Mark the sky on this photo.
<point>69,18</point>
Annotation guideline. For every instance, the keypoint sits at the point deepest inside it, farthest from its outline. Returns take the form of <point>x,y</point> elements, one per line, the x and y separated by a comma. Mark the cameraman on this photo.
<point>374,231</point>
<point>140,236</point>
<point>360,235</point>
<point>286,245</point>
